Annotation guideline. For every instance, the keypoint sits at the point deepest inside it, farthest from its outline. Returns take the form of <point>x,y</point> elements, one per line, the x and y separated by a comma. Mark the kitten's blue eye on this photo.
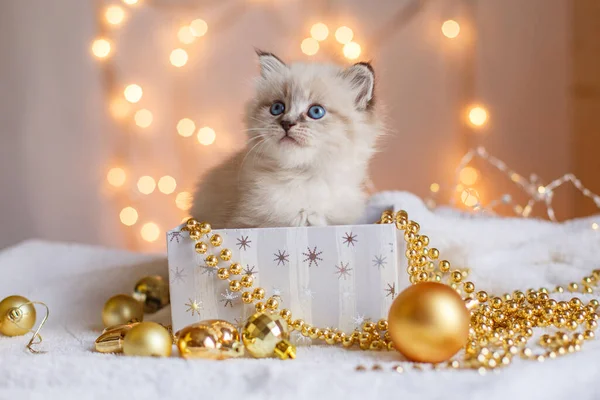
<point>316,112</point>
<point>277,108</point>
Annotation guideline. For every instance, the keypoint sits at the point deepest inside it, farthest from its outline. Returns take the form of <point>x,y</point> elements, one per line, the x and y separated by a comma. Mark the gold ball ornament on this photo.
<point>266,335</point>
<point>152,292</point>
<point>428,322</point>
<point>122,309</point>
<point>211,339</point>
<point>17,316</point>
<point>148,339</point>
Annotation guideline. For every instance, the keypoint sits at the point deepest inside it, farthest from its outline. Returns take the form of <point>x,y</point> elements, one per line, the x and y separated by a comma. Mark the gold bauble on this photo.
<point>198,341</point>
<point>266,334</point>
<point>148,339</point>
<point>122,309</point>
<point>428,322</point>
<point>229,337</point>
<point>17,316</point>
<point>152,292</point>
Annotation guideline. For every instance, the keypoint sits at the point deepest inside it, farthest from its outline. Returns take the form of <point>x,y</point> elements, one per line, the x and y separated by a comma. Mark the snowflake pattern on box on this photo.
<point>312,256</point>
<point>281,257</point>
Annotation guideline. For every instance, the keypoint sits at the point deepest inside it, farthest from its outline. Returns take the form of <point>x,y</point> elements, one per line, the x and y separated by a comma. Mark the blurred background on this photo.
<point>111,110</point>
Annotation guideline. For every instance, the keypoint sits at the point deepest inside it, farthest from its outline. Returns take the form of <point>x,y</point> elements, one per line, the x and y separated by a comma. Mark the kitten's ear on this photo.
<point>269,63</point>
<point>362,78</point>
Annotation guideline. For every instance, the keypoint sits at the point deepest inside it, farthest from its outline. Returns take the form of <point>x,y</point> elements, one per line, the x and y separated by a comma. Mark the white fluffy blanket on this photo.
<point>75,280</point>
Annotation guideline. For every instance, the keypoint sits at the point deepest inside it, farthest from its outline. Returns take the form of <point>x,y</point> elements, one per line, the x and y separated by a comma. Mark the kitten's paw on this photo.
<point>301,219</point>
<point>316,220</point>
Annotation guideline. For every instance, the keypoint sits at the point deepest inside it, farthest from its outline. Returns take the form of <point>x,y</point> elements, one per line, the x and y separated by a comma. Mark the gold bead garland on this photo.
<point>500,326</point>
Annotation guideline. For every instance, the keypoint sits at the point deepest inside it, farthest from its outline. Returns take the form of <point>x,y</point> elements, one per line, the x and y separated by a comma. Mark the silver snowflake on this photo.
<point>208,270</point>
<point>313,256</point>
<point>342,270</point>
<point>300,340</point>
<point>228,298</point>
<point>276,292</point>
<point>308,293</point>
<point>391,290</point>
<point>243,242</point>
<point>177,275</point>
<point>379,261</point>
<point>249,270</point>
<point>194,306</point>
<point>281,257</point>
<point>350,239</point>
<point>359,320</point>
<point>175,236</point>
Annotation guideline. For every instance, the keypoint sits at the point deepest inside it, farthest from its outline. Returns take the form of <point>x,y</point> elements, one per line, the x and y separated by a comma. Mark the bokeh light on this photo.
<point>469,176</point>
<point>206,136</point>
<point>114,15</point>
<point>310,46</point>
<point>478,115</point>
<point>450,29</point>
<point>167,184</point>
<point>185,35</point>
<point>199,27</point>
<point>186,127</point>
<point>133,93</point>
<point>352,50</point>
<point>179,57</point>
<point>595,226</point>
<point>150,232</point>
<point>146,184</point>
<point>319,31</point>
<point>128,216</point>
<point>130,2</point>
<point>344,35</point>
<point>101,48</point>
<point>183,200</point>
<point>469,197</point>
<point>119,108</point>
<point>143,118</point>
<point>434,187</point>
<point>116,177</point>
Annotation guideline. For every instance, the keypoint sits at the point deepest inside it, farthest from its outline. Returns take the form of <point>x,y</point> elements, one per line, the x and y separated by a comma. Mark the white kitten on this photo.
<point>312,131</point>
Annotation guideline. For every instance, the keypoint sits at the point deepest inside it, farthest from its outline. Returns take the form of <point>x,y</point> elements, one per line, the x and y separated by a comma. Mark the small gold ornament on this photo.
<point>148,339</point>
<point>122,309</point>
<point>225,254</point>
<point>152,292</point>
<point>111,340</point>
<point>210,339</point>
<point>428,322</point>
<point>211,261</point>
<point>201,248</point>
<point>216,240</point>
<point>266,334</point>
<point>17,316</point>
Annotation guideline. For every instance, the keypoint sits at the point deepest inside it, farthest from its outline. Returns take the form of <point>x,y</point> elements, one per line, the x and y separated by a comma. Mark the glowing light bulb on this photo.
<point>434,188</point>
<point>179,57</point>
<point>469,197</point>
<point>595,226</point>
<point>101,48</point>
<point>199,27</point>
<point>128,216</point>
<point>541,189</point>
<point>468,176</point>
<point>319,31</point>
<point>352,50</point>
<point>150,232</point>
<point>344,35</point>
<point>114,15</point>
<point>146,184</point>
<point>450,29</point>
<point>183,200</point>
<point>143,118</point>
<point>478,115</point>
<point>133,93</point>
<point>185,35</point>
<point>186,127</point>
<point>206,136</point>
<point>167,184</point>
<point>119,108</point>
<point>309,46</point>
<point>130,2</point>
<point>116,177</point>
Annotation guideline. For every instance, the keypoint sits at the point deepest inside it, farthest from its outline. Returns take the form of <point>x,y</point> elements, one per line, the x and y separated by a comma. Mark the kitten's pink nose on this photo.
<point>287,125</point>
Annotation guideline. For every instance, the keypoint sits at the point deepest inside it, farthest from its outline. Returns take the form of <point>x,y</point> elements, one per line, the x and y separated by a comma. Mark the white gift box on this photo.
<point>337,276</point>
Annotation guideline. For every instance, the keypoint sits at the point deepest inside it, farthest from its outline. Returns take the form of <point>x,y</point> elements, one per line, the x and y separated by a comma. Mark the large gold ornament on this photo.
<point>17,316</point>
<point>112,338</point>
<point>211,339</point>
<point>266,334</point>
<point>148,339</point>
<point>152,292</point>
<point>122,309</point>
<point>428,322</point>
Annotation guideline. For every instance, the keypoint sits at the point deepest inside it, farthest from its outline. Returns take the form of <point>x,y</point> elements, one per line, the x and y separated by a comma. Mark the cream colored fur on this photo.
<point>314,177</point>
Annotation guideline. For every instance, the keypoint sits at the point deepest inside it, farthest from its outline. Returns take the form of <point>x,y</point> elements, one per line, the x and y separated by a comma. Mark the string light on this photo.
<point>469,197</point>
<point>186,127</point>
<point>130,2</point>
<point>478,115</point>
<point>150,232</point>
<point>185,35</point>
<point>206,136</point>
<point>352,50</point>
<point>344,35</point>
<point>179,57</point>
<point>450,29</point>
<point>143,118</point>
<point>119,108</point>
<point>310,46</point>
<point>133,93</point>
<point>319,31</point>
<point>469,176</point>
<point>114,15</point>
<point>167,184</point>
<point>199,27</point>
<point>128,216</point>
<point>146,184</point>
<point>101,48</point>
<point>116,177</point>
<point>183,200</point>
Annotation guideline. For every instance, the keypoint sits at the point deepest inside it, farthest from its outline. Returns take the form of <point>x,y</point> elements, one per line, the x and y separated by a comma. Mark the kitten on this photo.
<point>312,131</point>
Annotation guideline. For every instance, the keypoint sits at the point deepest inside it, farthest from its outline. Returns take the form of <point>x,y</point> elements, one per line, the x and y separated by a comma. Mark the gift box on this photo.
<point>337,276</point>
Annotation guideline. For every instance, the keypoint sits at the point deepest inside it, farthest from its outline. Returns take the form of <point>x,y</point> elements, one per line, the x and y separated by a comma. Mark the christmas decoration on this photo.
<point>17,318</point>
<point>266,334</point>
<point>211,339</point>
<point>122,309</point>
<point>111,340</point>
<point>152,292</point>
<point>148,339</point>
<point>428,322</point>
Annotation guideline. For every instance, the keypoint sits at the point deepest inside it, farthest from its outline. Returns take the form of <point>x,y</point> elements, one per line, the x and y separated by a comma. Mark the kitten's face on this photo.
<point>304,112</point>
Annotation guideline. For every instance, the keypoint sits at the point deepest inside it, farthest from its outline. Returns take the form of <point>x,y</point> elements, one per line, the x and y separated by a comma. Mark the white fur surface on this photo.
<point>75,280</point>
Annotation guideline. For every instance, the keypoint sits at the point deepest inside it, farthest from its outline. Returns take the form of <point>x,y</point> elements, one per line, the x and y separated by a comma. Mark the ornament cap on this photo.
<point>285,350</point>
<point>111,340</point>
